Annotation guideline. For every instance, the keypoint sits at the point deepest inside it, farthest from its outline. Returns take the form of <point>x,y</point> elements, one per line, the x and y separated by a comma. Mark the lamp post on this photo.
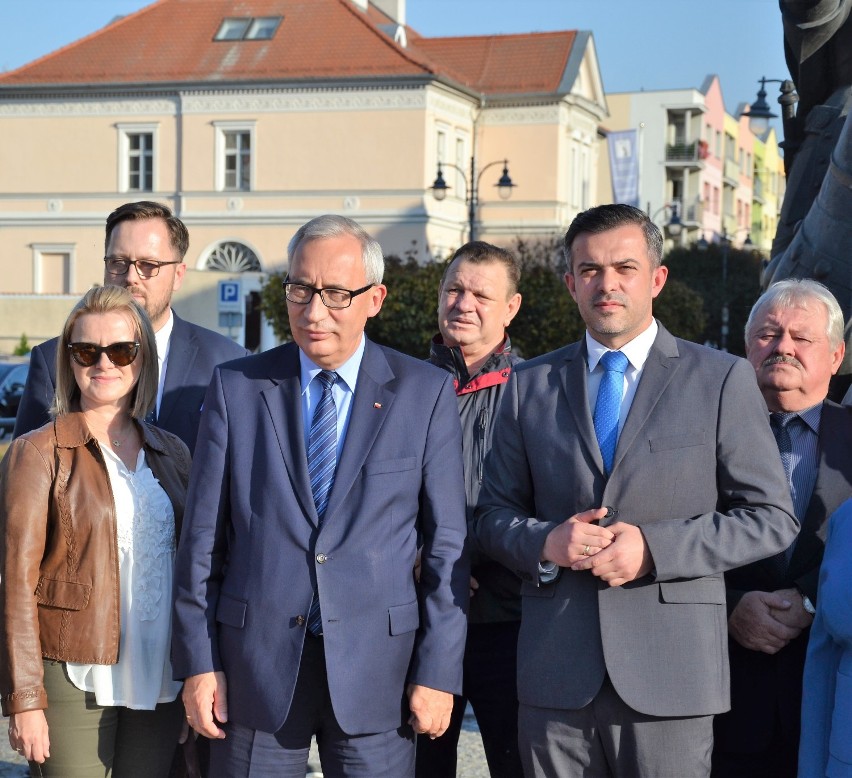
<point>504,187</point>
<point>759,112</point>
<point>725,243</point>
<point>674,226</point>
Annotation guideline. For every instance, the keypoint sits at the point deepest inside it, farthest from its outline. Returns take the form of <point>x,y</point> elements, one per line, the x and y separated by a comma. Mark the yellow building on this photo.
<point>249,117</point>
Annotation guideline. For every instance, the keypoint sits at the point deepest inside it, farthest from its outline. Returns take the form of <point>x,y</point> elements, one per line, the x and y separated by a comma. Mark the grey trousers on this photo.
<point>608,739</point>
<point>88,740</point>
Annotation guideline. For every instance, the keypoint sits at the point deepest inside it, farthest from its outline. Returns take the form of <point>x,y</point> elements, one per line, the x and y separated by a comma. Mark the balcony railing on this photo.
<point>697,151</point>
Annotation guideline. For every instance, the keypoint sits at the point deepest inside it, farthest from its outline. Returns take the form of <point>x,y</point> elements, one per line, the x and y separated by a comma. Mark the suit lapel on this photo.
<point>575,385</point>
<point>284,403</point>
<point>182,351</point>
<point>660,367</point>
<point>371,405</point>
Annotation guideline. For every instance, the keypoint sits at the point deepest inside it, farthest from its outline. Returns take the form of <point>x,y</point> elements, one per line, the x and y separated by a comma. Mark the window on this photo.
<point>460,165</point>
<point>140,162</point>
<point>233,257</point>
<point>261,28</point>
<point>237,161</point>
<point>234,158</point>
<point>137,167</point>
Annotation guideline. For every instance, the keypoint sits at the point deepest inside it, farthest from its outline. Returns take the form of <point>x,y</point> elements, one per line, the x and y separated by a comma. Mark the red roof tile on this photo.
<point>173,41</point>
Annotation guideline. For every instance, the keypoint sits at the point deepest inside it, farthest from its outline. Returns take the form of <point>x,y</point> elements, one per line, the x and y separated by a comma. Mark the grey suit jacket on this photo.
<point>696,467</point>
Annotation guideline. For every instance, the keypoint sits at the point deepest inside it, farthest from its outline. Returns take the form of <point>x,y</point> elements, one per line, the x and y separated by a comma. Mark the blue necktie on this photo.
<point>780,422</point>
<point>608,405</point>
<point>322,461</point>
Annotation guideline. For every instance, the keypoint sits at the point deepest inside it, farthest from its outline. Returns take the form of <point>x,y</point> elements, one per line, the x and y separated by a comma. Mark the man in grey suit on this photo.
<point>628,472</point>
<point>145,245</point>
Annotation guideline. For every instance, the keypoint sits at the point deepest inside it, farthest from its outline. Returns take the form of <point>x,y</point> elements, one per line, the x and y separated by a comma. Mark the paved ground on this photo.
<point>471,756</point>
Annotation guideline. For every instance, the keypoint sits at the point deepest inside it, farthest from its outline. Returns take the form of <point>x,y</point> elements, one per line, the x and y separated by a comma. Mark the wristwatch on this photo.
<point>807,604</point>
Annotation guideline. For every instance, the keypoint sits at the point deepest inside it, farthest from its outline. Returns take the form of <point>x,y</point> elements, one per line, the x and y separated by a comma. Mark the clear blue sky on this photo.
<point>641,44</point>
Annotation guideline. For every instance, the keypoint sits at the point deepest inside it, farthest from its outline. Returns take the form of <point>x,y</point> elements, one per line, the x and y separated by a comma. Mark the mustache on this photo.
<point>780,359</point>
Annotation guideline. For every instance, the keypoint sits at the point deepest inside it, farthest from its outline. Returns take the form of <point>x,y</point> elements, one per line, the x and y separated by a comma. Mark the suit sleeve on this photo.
<point>37,397</point>
<point>504,521</point>
<point>754,515</point>
<point>202,550</point>
<point>445,568</point>
<point>830,638</point>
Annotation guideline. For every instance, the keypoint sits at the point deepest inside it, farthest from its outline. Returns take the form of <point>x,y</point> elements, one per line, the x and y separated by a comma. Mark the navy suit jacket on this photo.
<point>766,689</point>
<point>251,551</point>
<point>193,353</point>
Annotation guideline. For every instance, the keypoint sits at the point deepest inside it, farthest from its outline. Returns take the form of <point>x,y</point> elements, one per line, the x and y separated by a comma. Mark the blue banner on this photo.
<point>624,166</point>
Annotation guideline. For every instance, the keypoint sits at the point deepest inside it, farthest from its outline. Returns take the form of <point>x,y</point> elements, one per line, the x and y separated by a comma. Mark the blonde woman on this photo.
<point>90,508</point>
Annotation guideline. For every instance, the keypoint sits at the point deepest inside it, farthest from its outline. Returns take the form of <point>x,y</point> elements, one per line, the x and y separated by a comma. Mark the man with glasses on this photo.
<point>319,465</point>
<point>145,248</point>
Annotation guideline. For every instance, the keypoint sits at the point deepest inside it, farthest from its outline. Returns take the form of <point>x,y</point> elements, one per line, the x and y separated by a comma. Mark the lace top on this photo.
<point>146,547</point>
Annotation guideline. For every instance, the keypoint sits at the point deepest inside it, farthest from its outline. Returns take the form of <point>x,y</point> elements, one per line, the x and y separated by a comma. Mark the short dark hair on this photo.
<point>146,209</point>
<point>607,217</point>
<point>478,252</point>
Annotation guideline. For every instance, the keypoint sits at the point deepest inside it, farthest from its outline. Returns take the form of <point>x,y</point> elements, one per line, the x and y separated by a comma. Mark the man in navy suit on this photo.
<point>320,466</point>
<point>145,246</point>
<point>794,341</point>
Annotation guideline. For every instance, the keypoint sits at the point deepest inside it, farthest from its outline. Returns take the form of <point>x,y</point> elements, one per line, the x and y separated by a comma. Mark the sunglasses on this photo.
<point>88,354</point>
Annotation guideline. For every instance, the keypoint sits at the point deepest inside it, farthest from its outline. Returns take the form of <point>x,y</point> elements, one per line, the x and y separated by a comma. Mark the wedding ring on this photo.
<point>586,550</point>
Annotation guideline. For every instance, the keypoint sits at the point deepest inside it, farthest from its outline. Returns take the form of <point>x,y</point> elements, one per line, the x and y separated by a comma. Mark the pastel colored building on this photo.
<point>701,162</point>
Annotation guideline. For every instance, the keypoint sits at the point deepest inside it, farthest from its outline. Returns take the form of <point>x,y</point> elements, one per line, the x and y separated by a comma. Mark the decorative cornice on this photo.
<point>89,107</point>
<point>303,100</point>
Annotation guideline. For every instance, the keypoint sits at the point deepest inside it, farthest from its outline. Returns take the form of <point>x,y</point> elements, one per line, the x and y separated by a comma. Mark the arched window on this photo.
<point>233,257</point>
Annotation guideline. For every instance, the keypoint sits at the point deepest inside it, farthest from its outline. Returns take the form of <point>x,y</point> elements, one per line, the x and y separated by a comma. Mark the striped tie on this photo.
<point>322,461</point>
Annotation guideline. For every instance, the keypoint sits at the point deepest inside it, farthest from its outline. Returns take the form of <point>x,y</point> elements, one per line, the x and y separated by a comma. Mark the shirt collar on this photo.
<point>811,417</point>
<point>348,371</point>
<point>162,335</point>
<point>636,350</point>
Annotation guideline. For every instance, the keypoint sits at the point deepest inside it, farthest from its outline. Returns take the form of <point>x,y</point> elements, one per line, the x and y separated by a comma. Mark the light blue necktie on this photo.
<point>322,461</point>
<point>608,405</point>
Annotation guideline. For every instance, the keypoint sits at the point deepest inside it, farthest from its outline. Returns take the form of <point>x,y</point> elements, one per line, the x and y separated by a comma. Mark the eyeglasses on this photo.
<point>88,354</point>
<point>331,297</point>
<point>144,268</point>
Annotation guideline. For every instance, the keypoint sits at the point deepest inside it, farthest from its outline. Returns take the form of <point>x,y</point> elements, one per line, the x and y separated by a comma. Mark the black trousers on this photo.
<point>490,684</point>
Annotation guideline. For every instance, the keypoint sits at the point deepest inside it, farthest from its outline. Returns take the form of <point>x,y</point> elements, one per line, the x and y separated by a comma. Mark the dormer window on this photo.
<point>261,28</point>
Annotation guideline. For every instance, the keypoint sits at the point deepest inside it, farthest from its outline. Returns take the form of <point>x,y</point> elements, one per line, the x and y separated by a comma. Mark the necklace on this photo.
<point>119,442</point>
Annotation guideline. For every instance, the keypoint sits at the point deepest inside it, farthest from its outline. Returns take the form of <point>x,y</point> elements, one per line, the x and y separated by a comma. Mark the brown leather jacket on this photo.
<point>59,595</point>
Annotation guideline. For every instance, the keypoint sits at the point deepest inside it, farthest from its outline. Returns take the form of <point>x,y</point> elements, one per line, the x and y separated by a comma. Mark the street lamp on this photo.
<point>759,112</point>
<point>504,187</point>
<point>674,227</point>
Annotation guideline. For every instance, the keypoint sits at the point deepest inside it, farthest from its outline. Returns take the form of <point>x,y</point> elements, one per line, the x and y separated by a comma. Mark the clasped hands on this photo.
<point>615,554</point>
<point>768,621</point>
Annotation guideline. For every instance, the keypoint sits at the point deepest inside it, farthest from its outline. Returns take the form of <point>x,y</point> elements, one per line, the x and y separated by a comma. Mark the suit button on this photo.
<point>321,558</point>
<point>300,620</point>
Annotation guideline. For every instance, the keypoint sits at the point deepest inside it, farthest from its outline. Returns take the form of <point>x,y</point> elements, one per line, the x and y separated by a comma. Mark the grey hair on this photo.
<point>800,293</point>
<point>333,226</point>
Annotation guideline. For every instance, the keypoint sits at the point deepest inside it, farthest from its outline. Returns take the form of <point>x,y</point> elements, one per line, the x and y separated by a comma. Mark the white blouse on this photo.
<point>146,549</point>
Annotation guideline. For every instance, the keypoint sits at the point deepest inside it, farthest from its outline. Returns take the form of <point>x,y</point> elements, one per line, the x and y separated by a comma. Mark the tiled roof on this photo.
<point>504,64</point>
<point>173,41</point>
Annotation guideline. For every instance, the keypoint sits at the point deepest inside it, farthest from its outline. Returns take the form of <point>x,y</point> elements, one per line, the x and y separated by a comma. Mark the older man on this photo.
<point>477,301</point>
<point>145,245</point>
<point>619,488</point>
<point>319,464</point>
<point>794,341</point>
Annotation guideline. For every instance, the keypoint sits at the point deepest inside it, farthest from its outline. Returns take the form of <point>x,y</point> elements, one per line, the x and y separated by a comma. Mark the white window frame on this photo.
<point>125,130</point>
<point>222,130</point>
<point>39,250</point>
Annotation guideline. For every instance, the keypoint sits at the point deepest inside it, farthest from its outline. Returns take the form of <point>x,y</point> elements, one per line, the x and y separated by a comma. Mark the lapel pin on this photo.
<point>377,405</point>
